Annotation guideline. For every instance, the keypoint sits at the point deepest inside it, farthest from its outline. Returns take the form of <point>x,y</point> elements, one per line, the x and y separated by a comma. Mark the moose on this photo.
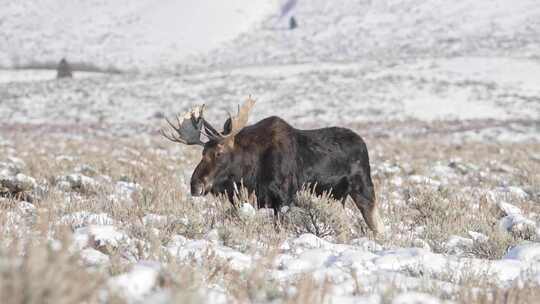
<point>275,160</point>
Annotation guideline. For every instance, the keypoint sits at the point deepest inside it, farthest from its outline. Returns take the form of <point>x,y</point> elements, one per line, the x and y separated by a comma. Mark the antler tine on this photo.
<point>177,129</point>
<point>241,119</point>
<point>207,129</point>
<point>210,132</point>
<point>188,130</point>
<point>197,117</point>
<point>171,137</point>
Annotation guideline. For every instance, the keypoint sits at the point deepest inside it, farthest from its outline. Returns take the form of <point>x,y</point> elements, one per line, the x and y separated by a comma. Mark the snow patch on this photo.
<point>123,191</point>
<point>136,283</point>
<point>525,252</point>
<point>92,257</point>
<point>84,218</point>
<point>101,237</point>
<point>415,298</point>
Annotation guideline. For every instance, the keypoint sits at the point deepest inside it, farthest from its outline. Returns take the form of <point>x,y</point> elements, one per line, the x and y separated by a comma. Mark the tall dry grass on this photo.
<point>411,212</point>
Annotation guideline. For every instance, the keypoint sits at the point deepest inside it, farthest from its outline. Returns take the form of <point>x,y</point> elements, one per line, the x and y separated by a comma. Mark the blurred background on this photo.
<point>389,67</point>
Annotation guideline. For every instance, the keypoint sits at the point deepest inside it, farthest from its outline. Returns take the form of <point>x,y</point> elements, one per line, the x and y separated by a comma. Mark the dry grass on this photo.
<point>44,273</point>
<point>318,215</point>
<point>411,211</point>
<point>513,295</point>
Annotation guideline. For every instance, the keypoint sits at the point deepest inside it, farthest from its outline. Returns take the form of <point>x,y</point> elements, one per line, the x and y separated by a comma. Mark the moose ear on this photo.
<point>227,127</point>
<point>226,144</point>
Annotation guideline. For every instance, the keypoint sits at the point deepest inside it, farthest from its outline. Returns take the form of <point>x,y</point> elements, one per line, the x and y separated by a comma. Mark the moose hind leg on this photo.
<point>344,201</point>
<point>370,212</point>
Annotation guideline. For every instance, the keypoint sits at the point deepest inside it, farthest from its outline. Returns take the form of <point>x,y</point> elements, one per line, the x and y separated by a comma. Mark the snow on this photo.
<point>84,218</point>
<point>92,257</point>
<point>101,236</point>
<point>418,179</point>
<point>17,183</point>
<point>32,75</point>
<point>136,283</point>
<point>424,106</point>
<point>508,209</point>
<point>213,296</point>
<point>313,255</point>
<point>154,220</point>
<point>525,252</point>
<point>12,166</point>
<point>309,240</point>
<point>504,71</point>
<point>463,102</point>
<point>517,222</point>
<point>27,208</point>
<point>300,75</point>
<point>458,245</point>
<point>409,257</point>
<point>306,99</point>
<point>503,194</point>
<point>308,260</point>
<point>122,34</point>
<point>478,237</point>
<point>415,298</point>
<point>351,30</point>
<point>77,182</point>
<point>366,244</point>
<point>212,236</point>
<point>184,249</point>
<point>514,221</point>
<point>123,191</point>
<point>373,299</point>
<point>247,210</point>
<point>354,258</point>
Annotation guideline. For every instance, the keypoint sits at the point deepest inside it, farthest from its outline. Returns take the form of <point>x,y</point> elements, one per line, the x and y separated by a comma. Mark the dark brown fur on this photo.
<point>275,160</point>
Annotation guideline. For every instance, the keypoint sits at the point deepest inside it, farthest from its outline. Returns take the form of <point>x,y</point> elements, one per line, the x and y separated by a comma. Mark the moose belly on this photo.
<point>337,186</point>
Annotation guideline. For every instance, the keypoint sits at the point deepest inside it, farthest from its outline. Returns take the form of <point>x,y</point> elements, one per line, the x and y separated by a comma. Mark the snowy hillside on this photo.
<point>348,62</point>
<point>123,34</point>
<point>142,34</point>
<point>389,31</point>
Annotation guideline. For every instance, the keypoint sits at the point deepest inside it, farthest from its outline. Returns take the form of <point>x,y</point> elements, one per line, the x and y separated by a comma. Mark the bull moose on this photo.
<point>275,160</point>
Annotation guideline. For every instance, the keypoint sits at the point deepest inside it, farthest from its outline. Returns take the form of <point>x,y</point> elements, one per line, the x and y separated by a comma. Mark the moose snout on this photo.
<point>197,189</point>
<point>200,187</point>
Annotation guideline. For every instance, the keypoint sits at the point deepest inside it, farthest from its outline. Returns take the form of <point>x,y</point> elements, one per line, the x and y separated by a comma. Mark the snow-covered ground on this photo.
<point>33,75</point>
<point>458,222</point>
<point>445,94</point>
<point>308,95</point>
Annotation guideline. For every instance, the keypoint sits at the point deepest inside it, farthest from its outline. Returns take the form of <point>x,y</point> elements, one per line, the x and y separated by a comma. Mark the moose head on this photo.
<point>219,165</point>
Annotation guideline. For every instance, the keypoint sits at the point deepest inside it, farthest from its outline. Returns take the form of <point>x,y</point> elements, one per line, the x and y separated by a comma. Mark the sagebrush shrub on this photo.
<point>320,215</point>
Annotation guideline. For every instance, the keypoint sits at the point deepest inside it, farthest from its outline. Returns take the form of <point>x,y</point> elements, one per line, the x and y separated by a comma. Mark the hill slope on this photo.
<point>124,34</point>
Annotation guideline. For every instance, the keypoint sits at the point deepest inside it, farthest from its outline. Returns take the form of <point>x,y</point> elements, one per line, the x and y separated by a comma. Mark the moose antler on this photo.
<point>210,132</point>
<point>240,120</point>
<point>236,123</point>
<point>188,130</point>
